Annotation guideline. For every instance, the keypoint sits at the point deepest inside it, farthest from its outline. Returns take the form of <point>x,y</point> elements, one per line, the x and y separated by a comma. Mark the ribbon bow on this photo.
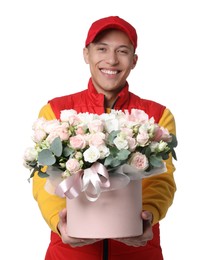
<point>94,180</point>
<point>90,181</point>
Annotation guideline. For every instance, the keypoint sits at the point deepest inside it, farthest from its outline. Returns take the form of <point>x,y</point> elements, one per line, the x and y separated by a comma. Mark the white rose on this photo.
<point>104,151</point>
<point>30,154</point>
<point>92,154</point>
<point>120,143</point>
<point>65,114</point>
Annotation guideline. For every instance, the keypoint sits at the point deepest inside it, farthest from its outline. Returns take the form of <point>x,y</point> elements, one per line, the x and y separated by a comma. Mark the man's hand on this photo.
<point>73,242</point>
<point>147,232</point>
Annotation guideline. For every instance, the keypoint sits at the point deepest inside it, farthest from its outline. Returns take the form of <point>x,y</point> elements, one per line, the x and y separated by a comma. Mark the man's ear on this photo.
<point>86,55</point>
<point>135,59</point>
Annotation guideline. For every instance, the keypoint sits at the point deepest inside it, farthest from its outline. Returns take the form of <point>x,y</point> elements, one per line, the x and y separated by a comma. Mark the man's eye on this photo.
<point>101,49</point>
<point>123,51</point>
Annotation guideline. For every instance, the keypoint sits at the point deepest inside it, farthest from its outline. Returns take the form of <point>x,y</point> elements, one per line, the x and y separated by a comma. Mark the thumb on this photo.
<point>147,215</point>
<point>63,215</point>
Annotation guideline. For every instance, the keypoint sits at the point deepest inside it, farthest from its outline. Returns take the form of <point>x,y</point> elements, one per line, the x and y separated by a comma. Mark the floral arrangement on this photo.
<point>78,141</point>
<point>88,148</point>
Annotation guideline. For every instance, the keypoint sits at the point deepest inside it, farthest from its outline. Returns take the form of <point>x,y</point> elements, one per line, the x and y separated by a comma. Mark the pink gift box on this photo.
<point>114,214</point>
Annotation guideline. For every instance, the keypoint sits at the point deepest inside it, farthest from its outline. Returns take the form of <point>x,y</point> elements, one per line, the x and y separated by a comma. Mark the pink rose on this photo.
<point>96,126</point>
<point>131,143</point>
<point>60,131</point>
<point>78,142</point>
<point>73,166</point>
<point>97,139</point>
<point>138,116</point>
<point>80,130</point>
<point>162,133</point>
<point>139,161</point>
<point>142,138</point>
<point>39,135</point>
<point>38,124</point>
<point>50,125</point>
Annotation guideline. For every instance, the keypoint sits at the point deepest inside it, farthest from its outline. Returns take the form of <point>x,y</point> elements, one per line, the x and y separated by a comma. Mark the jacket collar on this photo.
<point>98,99</point>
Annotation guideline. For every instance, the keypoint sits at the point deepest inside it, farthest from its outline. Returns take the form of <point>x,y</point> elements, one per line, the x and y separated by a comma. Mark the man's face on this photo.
<point>111,58</point>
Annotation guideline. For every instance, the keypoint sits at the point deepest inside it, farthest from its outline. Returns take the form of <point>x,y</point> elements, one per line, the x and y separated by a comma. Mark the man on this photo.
<point>110,53</point>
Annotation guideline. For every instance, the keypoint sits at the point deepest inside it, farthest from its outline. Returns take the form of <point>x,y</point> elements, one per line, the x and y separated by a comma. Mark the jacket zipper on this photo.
<point>105,249</point>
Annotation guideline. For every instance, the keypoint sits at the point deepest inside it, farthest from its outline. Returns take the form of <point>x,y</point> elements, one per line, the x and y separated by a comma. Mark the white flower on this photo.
<point>39,135</point>
<point>30,154</point>
<point>120,142</point>
<point>162,146</point>
<point>78,140</point>
<point>92,154</point>
<point>104,151</point>
<point>111,124</point>
<point>65,114</point>
<point>50,125</point>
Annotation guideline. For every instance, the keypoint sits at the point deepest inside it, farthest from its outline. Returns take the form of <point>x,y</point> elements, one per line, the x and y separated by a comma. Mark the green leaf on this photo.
<point>32,164</point>
<point>173,154</point>
<point>115,162</point>
<point>43,174</point>
<point>114,151</point>
<point>31,175</point>
<point>164,156</point>
<point>67,151</point>
<point>56,147</point>
<point>108,160</point>
<point>155,161</point>
<point>112,136</point>
<point>46,157</point>
<point>174,141</point>
<point>123,155</point>
<point>147,151</point>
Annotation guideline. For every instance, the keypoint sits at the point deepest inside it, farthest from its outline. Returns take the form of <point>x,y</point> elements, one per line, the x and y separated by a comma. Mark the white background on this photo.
<point>41,44</point>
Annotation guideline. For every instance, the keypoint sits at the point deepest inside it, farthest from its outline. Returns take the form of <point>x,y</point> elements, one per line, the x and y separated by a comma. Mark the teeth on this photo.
<point>109,72</point>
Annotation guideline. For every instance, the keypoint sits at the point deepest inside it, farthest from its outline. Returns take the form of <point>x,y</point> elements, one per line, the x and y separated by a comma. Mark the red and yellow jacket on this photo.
<point>158,191</point>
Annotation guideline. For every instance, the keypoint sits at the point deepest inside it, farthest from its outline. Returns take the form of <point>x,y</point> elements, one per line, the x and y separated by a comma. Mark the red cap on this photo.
<point>111,22</point>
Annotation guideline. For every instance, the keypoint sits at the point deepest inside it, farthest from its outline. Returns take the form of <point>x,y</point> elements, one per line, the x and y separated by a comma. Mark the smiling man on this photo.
<point>110,52</point>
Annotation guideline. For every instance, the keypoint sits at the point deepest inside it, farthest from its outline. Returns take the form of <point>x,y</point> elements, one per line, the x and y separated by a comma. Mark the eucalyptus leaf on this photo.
<point>32,164</point>
<point>46,157</point>
<point>123,154</point>
<point>114,151</point>
<point>112,136</point>
<point>43,174</point>
<point>165,156</point>
<point>56,147</point>
<point>155,161</point>
<point>115,162</point>
<point>67,151</point>
<point>108,160</point>
<point>147,151</point>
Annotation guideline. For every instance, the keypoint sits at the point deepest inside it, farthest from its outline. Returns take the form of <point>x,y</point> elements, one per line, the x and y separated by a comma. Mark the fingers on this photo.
<point>133,241</point>
<point>78,242</point>
<point>66,239</point>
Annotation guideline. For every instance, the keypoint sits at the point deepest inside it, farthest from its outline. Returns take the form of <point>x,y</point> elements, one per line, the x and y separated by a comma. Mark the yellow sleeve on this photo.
<point>159,190</point>
<point>50,205</point>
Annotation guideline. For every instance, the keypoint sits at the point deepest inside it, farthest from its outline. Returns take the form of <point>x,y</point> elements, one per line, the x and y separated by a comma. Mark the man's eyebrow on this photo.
<point>106,44</point>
